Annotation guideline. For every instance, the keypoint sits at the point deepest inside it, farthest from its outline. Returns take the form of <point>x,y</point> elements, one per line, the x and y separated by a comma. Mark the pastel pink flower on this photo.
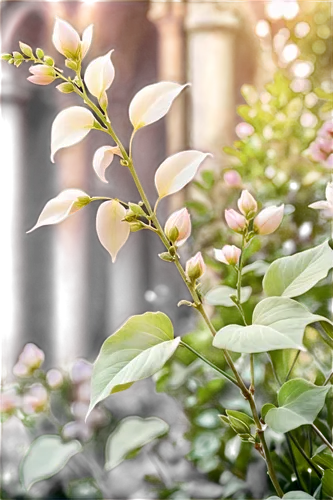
<point>195,267</point>
<point>178,227</point>
<point>268,220</point>
<point>229,254</point>
<point>247,204</point>
<point>42,74</point>
<point>232,178</point>
<point>235,220</point>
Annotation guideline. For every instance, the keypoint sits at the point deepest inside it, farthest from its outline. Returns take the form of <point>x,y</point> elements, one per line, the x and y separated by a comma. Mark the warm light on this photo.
<point>300,85</point>
<point>308,120</point>
<point>289,53</point>
<point>290,10</point>
<point>302,69</point>
<point>274,9</point>
<point>311,100</point>
<point>262,28</point>
<point>265,97</point>
<point>302,29</point>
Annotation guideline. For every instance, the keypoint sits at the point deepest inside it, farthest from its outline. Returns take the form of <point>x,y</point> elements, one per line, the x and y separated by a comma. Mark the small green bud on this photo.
<point>130,216</point>
<point>17,63</point>
<point>11,61</point>
<point>17,56</point>
<point>49,61</point>
<point>65,88</point>
<point>136,226</point>
<point>26,49</point>
<point>173,234</point>
<point>172,251</point>
<point>238,426</point>
<point>71,64</point>
<point>6,57</point>
<point>224,419</point>
<point>40,53</point>
<point>166,256</point>
<point>137,210</point>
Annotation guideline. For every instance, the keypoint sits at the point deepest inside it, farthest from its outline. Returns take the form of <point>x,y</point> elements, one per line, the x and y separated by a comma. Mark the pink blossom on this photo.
<point>178,227</point>
<point>232,178</point>
<point>195,267</point>
<point>235,220</point>
<point>229,254</point>
<point>268,220</point>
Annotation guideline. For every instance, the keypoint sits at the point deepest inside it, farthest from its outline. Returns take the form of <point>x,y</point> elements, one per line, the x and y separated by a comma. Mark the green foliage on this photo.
<point>220,295</point>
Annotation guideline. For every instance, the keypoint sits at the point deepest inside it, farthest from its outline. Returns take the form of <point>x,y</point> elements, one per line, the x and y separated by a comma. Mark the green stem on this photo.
<point>292,365</point>
<point>222,372</point>
<point>308,459</point>
<point>322,437</point>
<point>292,456</point>
<point>191,286</point>
<point>328,378</point>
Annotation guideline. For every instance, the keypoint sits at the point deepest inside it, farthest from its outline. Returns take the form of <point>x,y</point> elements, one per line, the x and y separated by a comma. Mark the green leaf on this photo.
<point>241,416</point>
<point>299,404</point>
<point>259,267</point>
<point>327,483</point>
<point>136,351</point>
<point>46,456</point>
<point>278,323</point>
<point>294,495</point>
<point>294,275</point>
<point>220,295</point>
<point>131,434</point>
<point>265,409</point>
<point>323,457</point>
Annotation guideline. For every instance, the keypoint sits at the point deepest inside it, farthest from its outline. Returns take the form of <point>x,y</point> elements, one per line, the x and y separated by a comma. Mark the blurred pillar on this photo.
<point>211,35</point>
<point>169,16</point>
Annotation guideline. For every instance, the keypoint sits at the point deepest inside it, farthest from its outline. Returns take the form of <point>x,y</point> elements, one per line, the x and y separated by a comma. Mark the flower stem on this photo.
<point>225,374</point>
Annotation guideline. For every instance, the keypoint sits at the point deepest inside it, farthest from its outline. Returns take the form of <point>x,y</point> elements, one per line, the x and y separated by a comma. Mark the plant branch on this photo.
<point>308,459</point>
<point>322,437</point>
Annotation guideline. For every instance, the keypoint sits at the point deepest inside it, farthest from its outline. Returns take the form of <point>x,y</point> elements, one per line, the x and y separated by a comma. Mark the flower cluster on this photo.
<point>321,149</point>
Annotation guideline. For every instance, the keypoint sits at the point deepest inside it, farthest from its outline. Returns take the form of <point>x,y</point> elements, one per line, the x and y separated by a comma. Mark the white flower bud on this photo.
<point>178,227</point>
<point>229,254</point>
<point>268,220</point>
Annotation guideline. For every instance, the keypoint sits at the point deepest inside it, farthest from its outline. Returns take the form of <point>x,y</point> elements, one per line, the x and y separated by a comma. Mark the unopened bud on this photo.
<point>268,220</point>
<point>6,57</point>
<point>9,401</point>
<point>235,221</point>
<point>81,371</point>
<point>30,359</point>
<point>247,204</point>
<point>244,129</point>
<point>48,61</point>
<point>40,53</point>
<point>54,378</point>
<point>65,88</point>
<point>232,178</point>
<point>26,49</point>
<point>178,227</point>
<point>35,400</point>
<point>135,208</point>
<point>166,257</point>
<point>71,65</point>
<point>41,74</point>
<point>136,226</point>
<point>229,254</point>
<point>195,267</point>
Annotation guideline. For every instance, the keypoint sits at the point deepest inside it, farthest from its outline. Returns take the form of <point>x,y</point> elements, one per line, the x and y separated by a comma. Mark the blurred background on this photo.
<point>261,75</point>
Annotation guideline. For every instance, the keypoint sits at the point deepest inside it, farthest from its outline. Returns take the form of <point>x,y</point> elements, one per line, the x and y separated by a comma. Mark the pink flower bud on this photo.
<point>232,178</point>
<point>244,129</point>
<point>235,221</point>
<point>230,254</point>
<point>54,378</point>
<point>326,130</point>
<point>31,357</point>
<point>9,401</point>
<point>35,400</point>
<point>42,74</point>
<point>325,144</point>
<point>268,220</point>
<point>178,227</point>
<point>247,204</point>
<point>195,267</point>
<point>316,153</point>
<point>81,371</point>
<point>21,370</point>
<point>328,163</point>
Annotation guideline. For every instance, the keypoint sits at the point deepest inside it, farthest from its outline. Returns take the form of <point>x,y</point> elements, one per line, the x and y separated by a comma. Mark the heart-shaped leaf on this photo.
<point>323,457</point>
<point>296,274</point>
<point>299,404</point>
<point>278,323</point>
<point>131,434</point>
<point>46,457</point>
<point>220,295</point>
<point>136,351</point>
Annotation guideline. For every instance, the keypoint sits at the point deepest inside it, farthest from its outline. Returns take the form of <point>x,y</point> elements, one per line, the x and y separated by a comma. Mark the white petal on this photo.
<point>70,126</point>
<point>153,102</point>
<point>329,193</point>
<point>320,205</point>
<point>99,75</point>
<point>112,230</point>
<point>60,207</point>
<point>86,40</point>
<point>219,255</point>
<point>102,159</point>
<point>65,38</point>
<point>177,171</point>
